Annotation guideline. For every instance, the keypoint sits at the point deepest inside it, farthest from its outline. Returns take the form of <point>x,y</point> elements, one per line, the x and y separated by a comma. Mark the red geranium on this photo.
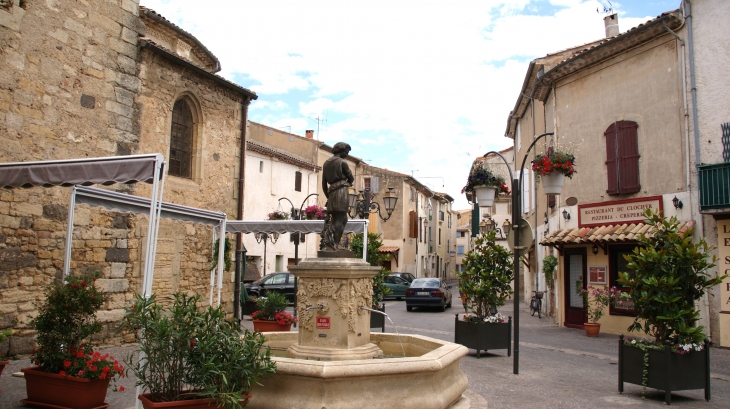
<point>556,162</point>
<point>85,363</point>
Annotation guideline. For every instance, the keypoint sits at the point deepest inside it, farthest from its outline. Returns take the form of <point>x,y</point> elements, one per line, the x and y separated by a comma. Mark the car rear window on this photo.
<point>425,282</point>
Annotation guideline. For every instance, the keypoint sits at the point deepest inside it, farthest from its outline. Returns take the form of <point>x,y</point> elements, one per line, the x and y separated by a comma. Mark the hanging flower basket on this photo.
<point>278,215</point>
<point>552,184</point>
<point>484,184</point>
<point>314,212</point>
<point>485,195</point>
<point>552,170</point>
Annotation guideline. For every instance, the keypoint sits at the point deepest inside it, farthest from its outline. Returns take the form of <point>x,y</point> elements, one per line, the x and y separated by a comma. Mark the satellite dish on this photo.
<point>526,236</point>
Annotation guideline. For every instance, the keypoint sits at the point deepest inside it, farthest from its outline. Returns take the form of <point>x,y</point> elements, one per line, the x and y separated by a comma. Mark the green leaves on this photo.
<point>670,272</point>
<point>487,275</point>
<point>375,258</point>
<point>184,348</point>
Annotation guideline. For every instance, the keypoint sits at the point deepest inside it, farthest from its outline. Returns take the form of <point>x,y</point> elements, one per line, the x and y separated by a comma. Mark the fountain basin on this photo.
<point>427,377</point>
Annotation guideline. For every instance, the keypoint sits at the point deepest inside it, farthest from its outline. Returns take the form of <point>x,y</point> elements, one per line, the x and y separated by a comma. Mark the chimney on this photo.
<point>310,134</point>
<point>611,24</point>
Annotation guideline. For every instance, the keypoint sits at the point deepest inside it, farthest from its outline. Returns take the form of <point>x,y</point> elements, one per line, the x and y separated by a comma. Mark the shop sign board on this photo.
<point>617,212</point>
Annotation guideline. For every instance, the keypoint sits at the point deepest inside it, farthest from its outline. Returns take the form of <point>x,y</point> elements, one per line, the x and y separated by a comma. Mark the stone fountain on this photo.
<point>333,361</point>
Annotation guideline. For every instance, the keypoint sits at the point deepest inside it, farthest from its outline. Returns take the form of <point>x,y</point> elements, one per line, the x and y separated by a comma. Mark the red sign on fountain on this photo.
<point>323,322</point>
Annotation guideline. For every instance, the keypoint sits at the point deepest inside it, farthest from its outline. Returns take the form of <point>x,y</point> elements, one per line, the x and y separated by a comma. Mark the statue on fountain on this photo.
<point>336,179</point>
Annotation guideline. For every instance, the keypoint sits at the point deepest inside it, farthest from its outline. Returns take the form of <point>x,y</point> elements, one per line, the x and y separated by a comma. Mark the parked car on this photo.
<point>428,292</point>
<point>282,282</point>
<point>407,276</point>
<point>397,285</point>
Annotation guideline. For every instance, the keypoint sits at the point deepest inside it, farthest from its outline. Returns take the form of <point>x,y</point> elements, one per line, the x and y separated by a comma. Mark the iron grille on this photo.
<point>714,186</point>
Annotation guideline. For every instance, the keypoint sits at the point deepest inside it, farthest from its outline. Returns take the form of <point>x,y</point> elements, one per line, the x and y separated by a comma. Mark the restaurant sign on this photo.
<point>617,212</point>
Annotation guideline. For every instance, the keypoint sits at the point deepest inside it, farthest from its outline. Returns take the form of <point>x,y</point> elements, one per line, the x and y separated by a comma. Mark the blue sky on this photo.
<point>420,87</point>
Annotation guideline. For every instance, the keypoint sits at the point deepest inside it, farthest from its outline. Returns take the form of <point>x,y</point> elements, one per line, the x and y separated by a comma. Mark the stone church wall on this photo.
<point>74,84</point>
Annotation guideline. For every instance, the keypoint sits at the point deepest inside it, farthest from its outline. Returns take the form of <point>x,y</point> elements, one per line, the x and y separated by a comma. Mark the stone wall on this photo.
<point>75,84</point>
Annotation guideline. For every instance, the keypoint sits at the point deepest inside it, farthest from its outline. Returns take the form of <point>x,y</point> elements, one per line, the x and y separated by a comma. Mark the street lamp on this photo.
<point>361,205</point>
<point>273,237</point>
<point>515,225</point>
<point>490,225</point>
<point>296,215</point>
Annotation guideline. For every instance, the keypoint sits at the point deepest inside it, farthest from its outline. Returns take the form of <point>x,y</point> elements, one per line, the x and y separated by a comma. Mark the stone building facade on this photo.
<point>97,78</point>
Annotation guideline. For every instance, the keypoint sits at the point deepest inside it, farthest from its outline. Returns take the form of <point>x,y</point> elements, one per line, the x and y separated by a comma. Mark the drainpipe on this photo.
<point>687,11</point>
<point>240,264</point>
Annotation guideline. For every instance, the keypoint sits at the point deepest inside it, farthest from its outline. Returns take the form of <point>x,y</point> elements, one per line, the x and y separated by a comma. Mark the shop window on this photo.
<point>622,158</point>
<point>617,263</point>
<point>181,140</point>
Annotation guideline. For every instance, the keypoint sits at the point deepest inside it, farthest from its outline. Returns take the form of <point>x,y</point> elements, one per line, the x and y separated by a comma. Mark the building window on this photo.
<point>261,166</point>
<point>439,236</point>
<point>181,140</point>
<point>459,249</point>
<point>298,181</point>
<point>622,158</point>
<point>617,263</point>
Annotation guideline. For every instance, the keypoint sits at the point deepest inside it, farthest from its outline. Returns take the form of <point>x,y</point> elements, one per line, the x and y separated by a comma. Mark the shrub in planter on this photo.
<point>485,284</point>
<point>188,353</point>
<point>669,273</point>
<point>270,314</point>
<point>65,359</point>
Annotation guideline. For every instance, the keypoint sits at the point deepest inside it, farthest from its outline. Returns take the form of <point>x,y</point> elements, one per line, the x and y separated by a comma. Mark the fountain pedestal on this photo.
<point>332,324</point>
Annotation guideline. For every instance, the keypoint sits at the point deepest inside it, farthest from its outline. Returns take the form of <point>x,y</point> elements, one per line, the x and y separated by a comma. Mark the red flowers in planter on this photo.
<point>561,162</point>
<point>84,363</point>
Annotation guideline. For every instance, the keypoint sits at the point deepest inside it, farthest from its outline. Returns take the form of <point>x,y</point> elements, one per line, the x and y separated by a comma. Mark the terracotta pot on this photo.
<point>54,390</point>
<point>592,329</point>
<point>2,366</point>
<point>270,326</point>
<point>181,404</point>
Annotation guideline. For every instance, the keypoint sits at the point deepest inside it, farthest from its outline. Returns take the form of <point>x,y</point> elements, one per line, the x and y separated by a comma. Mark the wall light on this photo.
<point>677,203</point>
<point>594,249</point>
<point>566,215</point>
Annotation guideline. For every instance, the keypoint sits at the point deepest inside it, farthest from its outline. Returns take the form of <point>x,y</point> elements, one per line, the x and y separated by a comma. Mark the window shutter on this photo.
<point>413,231</point>
<point>526,190</point>
<point>298,181</point>
<point>374,185</point>
<point>628,157</point>
<point>611,162</point>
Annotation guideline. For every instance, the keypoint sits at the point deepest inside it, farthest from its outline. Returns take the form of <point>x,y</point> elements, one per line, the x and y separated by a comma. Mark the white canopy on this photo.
<point>296,226</point>
<point>140,205</point>
<point>106,171</point>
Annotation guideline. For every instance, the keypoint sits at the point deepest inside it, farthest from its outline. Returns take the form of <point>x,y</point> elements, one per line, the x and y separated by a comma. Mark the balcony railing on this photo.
<point>714,186</point>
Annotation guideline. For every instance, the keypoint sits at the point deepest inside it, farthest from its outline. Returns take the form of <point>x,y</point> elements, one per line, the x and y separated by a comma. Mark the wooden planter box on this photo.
<point>484,336</point>
<point>668,371</point>
<point>378,320</point>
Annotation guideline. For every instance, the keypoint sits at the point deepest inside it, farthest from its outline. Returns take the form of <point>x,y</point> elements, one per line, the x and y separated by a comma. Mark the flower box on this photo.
<point>270,326</point>
<point>378,320</point>
<point>484,335</point>
<point>667,370</point>
<point>54,390</point>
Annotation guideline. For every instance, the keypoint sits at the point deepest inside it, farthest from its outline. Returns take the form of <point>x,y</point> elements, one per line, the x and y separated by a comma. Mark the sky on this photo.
<point>420,87</point>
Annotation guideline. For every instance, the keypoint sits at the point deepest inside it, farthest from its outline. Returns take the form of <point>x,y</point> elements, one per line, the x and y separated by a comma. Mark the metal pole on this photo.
<point>237,290</point>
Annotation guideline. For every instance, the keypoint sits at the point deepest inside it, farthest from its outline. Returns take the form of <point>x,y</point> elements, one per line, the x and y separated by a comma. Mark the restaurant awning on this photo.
<point>603,235</point>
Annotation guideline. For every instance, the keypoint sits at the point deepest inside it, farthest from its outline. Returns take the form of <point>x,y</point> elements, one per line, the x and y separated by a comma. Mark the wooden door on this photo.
<point>575,278</point>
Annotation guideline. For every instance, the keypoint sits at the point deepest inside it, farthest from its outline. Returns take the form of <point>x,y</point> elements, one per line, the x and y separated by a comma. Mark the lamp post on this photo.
<point>517,248</point>
<point>296,216</point>
<point>489,225</point>
<point>361,205</point>
<point>273,237</point>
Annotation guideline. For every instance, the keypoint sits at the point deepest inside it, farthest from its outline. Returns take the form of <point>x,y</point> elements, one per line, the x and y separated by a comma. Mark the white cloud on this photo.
<point>398,73</point>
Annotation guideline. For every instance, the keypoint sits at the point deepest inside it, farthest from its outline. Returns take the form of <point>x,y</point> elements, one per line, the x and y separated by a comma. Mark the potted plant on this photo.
<point>668,275</point>
<point>380,290</point>
<point>552,169</point>
<point>270,315</point>
<point>68,372</point>
<point>484,184</point>
<point>192,356</point>
<point>595,302</point>
<point>4,334</point>
<point>485,283</point>
<point>278,215</point>
<point>314,212</point>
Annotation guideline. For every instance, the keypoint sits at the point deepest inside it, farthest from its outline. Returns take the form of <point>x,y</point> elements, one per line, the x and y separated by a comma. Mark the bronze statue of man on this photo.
<point>336,179</point>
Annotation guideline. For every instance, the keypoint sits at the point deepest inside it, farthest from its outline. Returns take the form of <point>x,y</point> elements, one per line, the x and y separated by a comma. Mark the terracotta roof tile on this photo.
<point>388,249</point>
<point>610,233</point>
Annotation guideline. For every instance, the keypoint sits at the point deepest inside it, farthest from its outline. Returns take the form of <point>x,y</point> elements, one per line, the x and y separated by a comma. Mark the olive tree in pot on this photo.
<point>192,355</point>
<point>485,284</point>
<point>668,274</point>
<point>380,291</point>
